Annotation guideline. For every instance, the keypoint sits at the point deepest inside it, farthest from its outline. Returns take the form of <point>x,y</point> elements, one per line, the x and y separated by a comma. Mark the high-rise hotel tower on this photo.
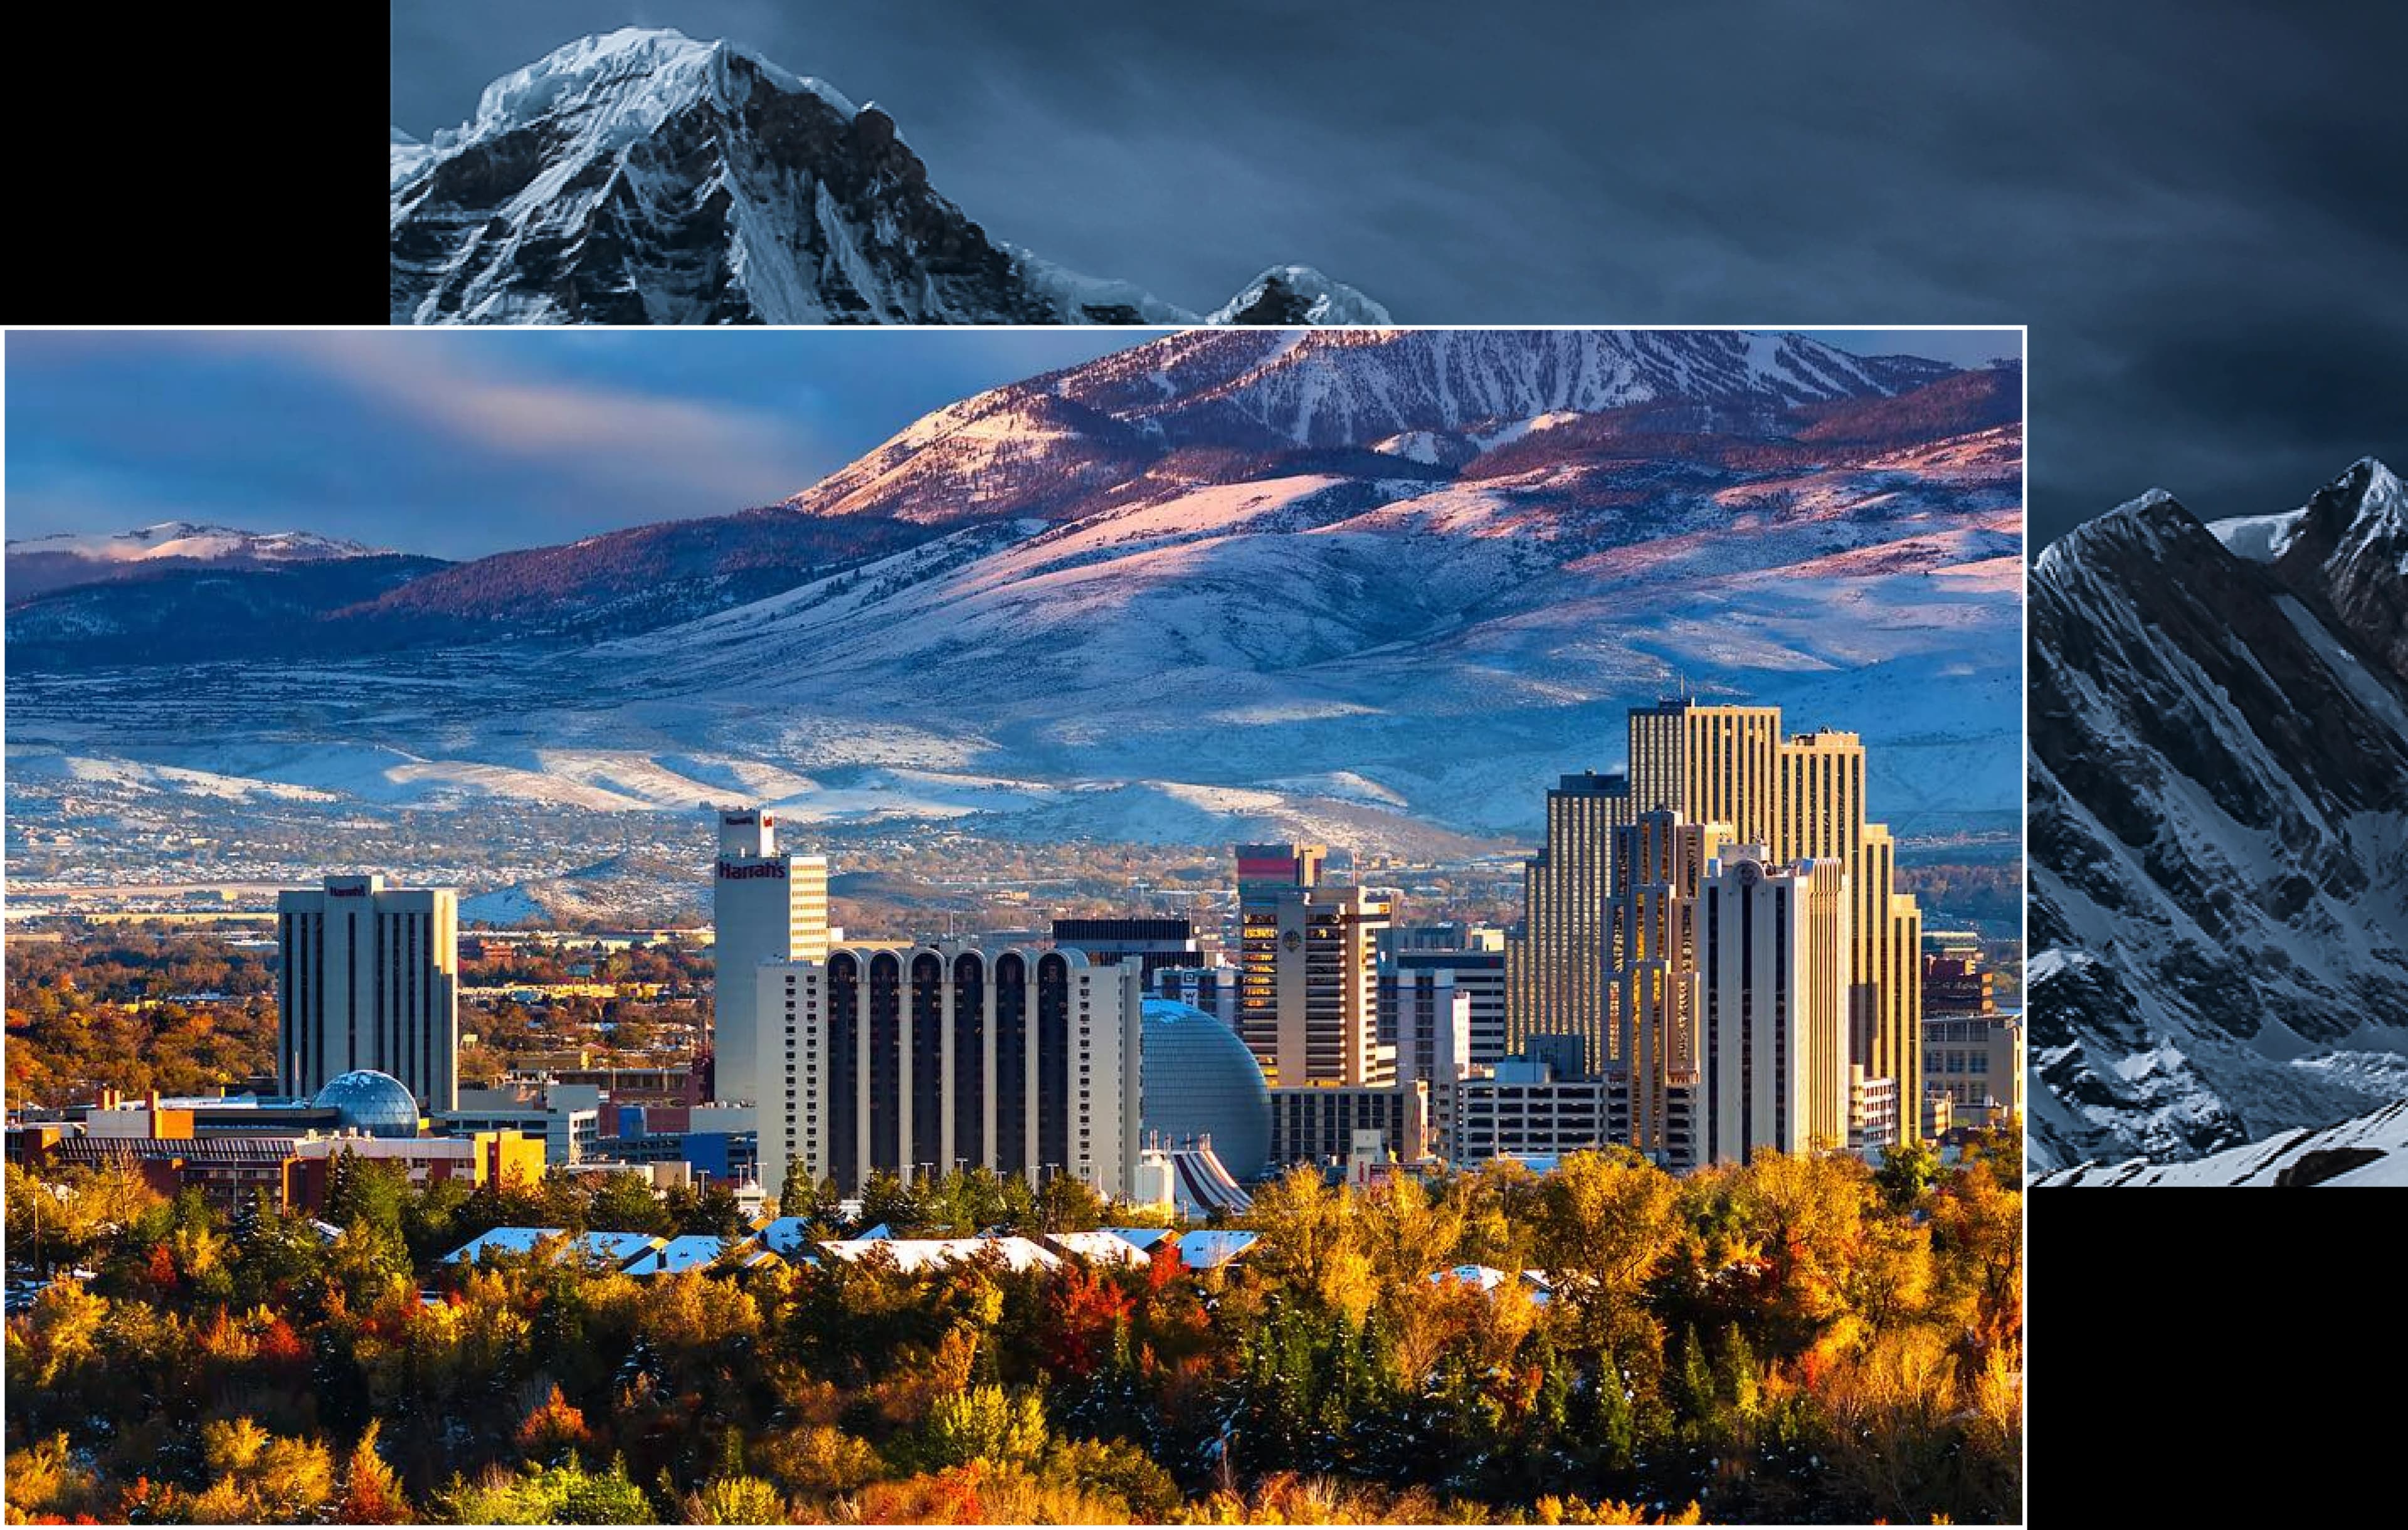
<point>369,980</point>
<point>921,1060</point>
<point>1307,995</point>
<point>1660,864</point>
<point>1555,964</point>
<point>766,905</point>
<point>1706,783</point>
<point>1772,966</point>
<point>1798,801</point>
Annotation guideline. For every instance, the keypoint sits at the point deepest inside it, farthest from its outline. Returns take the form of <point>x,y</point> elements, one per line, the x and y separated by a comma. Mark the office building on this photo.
<point>1307,1001</point>
<point>1427,1019</point>
<point>1212,989</point>
<point>935,1057</point>
<point>1772,961</point>
<point>1872,1112</point>
<point>1555,964</point>
<point>766,905</point>
<point>564,1118</point>
<point>1956,982</point>
<point>368,978</point>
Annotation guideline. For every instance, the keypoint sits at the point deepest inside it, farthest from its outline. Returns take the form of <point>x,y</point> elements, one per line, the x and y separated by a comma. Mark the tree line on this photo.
<point>1797,1340</point>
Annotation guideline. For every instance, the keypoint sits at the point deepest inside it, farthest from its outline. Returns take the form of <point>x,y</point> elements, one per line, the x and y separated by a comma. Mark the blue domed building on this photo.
<point>376,1103</point>
<point>1197,1079</point>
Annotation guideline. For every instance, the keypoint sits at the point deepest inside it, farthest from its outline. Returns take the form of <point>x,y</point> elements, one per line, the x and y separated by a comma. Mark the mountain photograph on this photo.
<point>2219,840</point>
<point>1222,581</point>
<point>640,176</point>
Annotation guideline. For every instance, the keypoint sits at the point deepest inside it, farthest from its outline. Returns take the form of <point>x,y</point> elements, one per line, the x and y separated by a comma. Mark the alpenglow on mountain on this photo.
<point>1380,588</point>
<point>2219,826</point>
<point>644,177</point>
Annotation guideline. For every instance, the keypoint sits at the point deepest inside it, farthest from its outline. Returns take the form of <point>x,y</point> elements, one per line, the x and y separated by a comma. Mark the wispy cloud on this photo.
<point>485,393</point>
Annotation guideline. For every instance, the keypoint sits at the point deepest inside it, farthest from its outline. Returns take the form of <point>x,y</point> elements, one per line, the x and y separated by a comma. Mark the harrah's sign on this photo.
<point>734,870</point>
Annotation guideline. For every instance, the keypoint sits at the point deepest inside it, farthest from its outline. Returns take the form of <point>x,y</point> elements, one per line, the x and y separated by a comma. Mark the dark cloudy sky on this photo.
<point>2194,203</point>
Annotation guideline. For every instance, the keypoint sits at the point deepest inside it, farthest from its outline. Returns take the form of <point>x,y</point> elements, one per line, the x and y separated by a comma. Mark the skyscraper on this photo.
<point>1308,1003</point>
<point>369,979</point>
<point>919,1060</point>
<point>766,905</point>
<point>1555,964</point>
<point>1710,764</point>
<point>1660,864</point>
<point>1798,799</point>
<point>1772,958</point>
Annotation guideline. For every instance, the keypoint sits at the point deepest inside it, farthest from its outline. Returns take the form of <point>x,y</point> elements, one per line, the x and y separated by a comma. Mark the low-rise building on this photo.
<point>1530,1106</point>
<point>1977,1061</point>
<point>1315,1123</point>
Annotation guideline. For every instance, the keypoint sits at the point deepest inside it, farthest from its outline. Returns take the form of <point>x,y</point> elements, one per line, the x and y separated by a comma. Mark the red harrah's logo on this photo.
<point>729,869</point>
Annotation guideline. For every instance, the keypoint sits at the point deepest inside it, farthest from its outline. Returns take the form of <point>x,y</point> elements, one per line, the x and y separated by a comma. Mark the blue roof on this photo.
<point>500,1240</point>
<point>1144,1238</point>
<point>692,1251</point>
<point>878,1232</point>
<point>786,1234</point>
<point>616,1248</point>
<point>1207,1250</point>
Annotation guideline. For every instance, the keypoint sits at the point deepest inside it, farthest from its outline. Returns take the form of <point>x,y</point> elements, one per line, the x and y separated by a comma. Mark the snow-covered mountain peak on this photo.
<point>1297,295</point>
<point>624,84</point>
<point>2149,524</point>
<point>192,539</point>
<point>644,177</point>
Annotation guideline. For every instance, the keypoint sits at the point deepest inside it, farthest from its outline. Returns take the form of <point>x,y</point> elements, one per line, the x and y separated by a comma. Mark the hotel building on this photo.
<point>1660,864</point>
<point>1773,945</point>
<point>1555,964</point>
<point>766,905</point>
<point>369,978</point>
<point>932,1057</point>
<point>1308,1002</point>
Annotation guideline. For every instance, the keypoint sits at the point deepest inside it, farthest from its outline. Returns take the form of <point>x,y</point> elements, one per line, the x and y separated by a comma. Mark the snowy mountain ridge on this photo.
<point>1178,592</point>
<point>37,566</point>
<point>643,176</point>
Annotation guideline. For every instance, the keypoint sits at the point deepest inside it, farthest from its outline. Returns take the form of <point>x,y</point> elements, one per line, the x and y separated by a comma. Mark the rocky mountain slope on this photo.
<point>643,178</point>
<point>1380,588</point>
<point>2219,825</point>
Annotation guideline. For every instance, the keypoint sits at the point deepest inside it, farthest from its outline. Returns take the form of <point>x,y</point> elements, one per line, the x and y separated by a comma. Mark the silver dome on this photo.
<point>376,1103</point>
<point>1198,1078</point>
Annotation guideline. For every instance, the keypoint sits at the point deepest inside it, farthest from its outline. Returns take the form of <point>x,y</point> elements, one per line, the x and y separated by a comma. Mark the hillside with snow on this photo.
<point>1376,588</point>
<point>39,564</point>
<point>640,176</point>
<point>2219,825</point>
